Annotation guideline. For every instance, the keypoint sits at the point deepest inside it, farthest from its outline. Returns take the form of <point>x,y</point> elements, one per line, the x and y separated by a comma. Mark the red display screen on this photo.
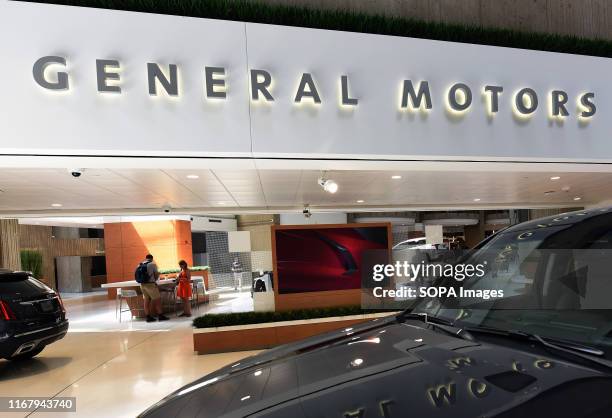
<point>320,259</point>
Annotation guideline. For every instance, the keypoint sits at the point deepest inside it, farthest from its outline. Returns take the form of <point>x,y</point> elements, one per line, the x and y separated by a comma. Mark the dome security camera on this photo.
<point>76,172</point>
<point>167,208</point>
<point>306,212</point>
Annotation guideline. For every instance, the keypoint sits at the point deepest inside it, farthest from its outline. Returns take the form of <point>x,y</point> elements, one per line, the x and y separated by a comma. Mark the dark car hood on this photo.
<point>383,367</point>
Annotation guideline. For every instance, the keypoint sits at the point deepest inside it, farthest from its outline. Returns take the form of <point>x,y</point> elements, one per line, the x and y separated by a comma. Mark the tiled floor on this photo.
<point>115,370</point>
<point>96,313</point>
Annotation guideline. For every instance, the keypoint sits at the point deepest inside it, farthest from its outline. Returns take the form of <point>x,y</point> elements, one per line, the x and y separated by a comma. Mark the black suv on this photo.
<point>31,316</point>
<point>542,349</point>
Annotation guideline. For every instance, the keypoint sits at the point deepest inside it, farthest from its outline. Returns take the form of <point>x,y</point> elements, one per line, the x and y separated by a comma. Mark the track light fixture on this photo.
<point>329,185</point>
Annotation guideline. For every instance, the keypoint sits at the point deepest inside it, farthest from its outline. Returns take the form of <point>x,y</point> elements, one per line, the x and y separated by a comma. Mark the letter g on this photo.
<point>38,71</point>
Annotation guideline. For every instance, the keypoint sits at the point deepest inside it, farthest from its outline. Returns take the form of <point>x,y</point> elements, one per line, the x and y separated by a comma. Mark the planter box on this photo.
<point>267,335</point>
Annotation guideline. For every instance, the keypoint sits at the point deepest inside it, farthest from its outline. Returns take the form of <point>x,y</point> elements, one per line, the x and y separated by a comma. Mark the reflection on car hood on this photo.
<point>380,366</point>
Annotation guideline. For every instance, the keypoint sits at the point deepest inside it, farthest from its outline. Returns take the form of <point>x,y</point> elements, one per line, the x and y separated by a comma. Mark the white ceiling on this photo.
<point>136,190</point>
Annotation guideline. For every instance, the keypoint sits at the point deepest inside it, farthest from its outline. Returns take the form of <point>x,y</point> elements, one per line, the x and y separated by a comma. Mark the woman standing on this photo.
<point>183,289</point>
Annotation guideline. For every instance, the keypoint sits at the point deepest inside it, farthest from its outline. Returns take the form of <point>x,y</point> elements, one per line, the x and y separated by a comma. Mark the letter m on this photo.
<point>415,97</point>
<point>443,394</point>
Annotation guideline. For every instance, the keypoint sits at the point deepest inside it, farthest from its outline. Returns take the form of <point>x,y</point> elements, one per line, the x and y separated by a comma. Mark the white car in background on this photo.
<point>419,244</point>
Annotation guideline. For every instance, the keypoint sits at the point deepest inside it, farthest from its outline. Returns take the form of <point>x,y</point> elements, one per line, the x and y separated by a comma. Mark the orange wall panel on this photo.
<point>112,236</point>
<point>114,270</point>
<point>183,232</point>
<point>127,244</point>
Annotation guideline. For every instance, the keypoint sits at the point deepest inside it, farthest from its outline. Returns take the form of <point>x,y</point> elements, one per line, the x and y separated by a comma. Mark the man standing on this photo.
<point>150,292</point>
<point>237,270</point>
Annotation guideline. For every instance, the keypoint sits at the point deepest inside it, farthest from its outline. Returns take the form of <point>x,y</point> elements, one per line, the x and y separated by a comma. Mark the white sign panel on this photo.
<point>81,81</point>
<point>82,120</point>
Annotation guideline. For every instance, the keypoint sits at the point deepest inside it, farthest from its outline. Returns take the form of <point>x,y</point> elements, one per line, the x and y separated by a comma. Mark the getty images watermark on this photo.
<point>408,280</point>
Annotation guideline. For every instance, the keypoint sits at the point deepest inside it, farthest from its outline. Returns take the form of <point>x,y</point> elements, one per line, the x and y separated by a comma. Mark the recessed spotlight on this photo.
<point>555,178</point>
<point>477,199</point>
<point>193,176</point>
<point>577,198</point>
<point>396,177</point>
<point>56,205</point>
<point>360,201</point>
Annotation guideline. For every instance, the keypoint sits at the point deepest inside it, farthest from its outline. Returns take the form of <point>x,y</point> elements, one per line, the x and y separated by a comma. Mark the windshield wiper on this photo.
<point>436,322</point>
<point>578,350</point>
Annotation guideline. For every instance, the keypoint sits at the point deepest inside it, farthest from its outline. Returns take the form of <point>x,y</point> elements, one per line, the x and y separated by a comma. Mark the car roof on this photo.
<point>12,273</point>
<point>567,218</point>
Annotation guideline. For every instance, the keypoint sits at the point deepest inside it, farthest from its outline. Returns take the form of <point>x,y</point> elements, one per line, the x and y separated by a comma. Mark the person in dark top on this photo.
<point>150,292</point>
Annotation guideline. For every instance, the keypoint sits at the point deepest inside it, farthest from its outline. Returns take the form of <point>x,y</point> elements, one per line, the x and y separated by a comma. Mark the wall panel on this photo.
<point>38,237</point>
<point>129,242</point>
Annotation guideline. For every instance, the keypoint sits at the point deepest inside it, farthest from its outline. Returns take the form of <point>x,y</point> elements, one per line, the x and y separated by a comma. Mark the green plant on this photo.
<point>245,318</point>
<point>177,270</point>
<point>251,11</point>
<point>32,261</point>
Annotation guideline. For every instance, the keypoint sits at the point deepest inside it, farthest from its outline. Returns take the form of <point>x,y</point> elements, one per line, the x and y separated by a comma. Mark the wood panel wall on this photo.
<point>38,237</point>
<point>9,244</point>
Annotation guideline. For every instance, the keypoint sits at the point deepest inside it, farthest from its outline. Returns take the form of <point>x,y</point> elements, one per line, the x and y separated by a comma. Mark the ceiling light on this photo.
<point>193,176</point>
<point>360,201</point>
<point>477,199</point>
<point>577,198</point>
<point>555,178</point>
<point>56,205</point>
<point>549,192</point>
<point>220,203</point>
<point>396,177</point>
<point>330,186</point>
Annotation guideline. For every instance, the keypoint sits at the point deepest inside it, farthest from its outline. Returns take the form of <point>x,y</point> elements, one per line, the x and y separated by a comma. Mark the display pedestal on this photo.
<point>263,301</point>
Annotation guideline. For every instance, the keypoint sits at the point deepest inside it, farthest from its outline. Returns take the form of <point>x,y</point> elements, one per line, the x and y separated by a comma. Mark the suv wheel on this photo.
<point>26,356</point>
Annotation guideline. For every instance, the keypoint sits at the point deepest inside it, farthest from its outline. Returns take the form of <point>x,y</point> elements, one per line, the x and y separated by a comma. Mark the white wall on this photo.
<point>206,223</point>
<point>239,241</point>
<point>316,218</point>
<point>82,121</point>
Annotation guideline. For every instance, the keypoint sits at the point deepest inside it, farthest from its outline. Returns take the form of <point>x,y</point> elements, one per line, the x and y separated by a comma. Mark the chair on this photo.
<point>127,295</point>
<point>170,300</point>
<point>198,287</point>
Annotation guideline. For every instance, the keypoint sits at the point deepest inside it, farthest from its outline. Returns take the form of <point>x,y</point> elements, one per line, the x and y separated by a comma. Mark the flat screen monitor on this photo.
<point>315,259</point>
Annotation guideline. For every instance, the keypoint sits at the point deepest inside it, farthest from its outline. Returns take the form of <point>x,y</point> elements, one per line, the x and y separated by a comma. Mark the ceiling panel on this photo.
<point>27,190</point>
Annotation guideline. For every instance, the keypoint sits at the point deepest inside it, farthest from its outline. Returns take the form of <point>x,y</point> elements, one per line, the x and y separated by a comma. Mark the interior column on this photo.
<point>9,244</point>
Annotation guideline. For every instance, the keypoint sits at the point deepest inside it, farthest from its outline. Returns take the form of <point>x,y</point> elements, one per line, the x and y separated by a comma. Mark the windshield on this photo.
<point>556,282</point>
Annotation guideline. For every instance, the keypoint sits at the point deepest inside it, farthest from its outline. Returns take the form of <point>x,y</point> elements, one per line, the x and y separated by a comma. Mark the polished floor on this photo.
<point>96,313</point>
<point>115,369</point>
